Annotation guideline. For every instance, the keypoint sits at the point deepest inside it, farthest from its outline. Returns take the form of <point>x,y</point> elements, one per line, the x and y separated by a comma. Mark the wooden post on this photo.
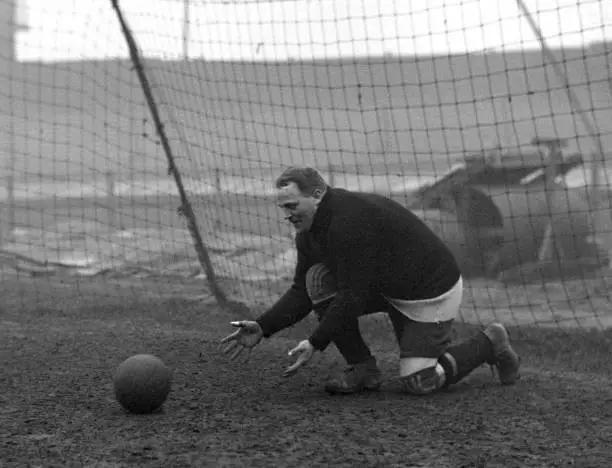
<point>330,175</point>
<point>219,202</point>
<point>111,202</point>
<point>555,157</point>
<point>386,123</point>
<point>10,200</point>
<point>585,117</point>
<point>6,232</point>
<point>601,206</point>
<point>218,180</point>
<point>186,21</point>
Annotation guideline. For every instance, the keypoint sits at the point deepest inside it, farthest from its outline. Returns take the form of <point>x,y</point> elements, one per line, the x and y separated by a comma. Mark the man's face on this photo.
<point>299,208</point>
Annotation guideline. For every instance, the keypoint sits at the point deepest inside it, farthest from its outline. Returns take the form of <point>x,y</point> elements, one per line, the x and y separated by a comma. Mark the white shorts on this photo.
<point>439,309</point>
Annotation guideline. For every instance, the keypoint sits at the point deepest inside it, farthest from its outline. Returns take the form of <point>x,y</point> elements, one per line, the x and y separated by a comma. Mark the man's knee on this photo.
<point>425,381</point>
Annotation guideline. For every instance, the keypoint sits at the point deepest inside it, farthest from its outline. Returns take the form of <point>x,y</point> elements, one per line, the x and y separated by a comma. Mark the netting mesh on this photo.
<point>400,98</point>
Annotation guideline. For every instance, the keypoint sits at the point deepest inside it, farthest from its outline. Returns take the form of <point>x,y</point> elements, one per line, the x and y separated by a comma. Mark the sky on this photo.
<point>278,30</point>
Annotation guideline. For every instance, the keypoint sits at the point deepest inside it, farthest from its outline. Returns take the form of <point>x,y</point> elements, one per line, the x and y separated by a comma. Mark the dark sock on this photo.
<point>461,359</point>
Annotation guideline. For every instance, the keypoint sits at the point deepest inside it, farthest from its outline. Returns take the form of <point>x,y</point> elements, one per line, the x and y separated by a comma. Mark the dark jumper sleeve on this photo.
<point>294,305</point>
<point>356,247</point>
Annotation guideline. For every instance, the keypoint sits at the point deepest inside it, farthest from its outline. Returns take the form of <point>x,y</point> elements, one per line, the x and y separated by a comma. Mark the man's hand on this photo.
<point>304,350</point>
<point>247,336</point>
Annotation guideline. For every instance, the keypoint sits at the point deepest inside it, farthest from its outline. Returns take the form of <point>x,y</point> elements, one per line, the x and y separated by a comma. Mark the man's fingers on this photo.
<point>236,353</point>
<point>231,337</point>
<point>291,370</point>
<point>296,350</point>
<point>247,355</point>
<point>230,347</point>
<point>294,368</point>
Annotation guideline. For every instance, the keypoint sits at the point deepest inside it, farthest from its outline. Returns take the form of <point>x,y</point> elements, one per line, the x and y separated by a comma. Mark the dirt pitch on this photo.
<point>61,340</point>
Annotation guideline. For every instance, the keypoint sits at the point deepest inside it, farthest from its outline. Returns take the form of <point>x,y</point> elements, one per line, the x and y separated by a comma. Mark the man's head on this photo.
<point>300,189</point>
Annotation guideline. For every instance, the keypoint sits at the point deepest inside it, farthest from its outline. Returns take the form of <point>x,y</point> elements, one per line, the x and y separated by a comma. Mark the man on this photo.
<point>361,253</point>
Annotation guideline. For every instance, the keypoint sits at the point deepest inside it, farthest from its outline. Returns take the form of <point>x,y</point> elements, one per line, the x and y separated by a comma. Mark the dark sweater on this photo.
<point>372,245</point>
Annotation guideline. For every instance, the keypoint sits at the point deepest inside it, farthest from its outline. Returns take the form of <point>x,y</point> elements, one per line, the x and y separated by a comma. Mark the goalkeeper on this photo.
<point>359,254</point>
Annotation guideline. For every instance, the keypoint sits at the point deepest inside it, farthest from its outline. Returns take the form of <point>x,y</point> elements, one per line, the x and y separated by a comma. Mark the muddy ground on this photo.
<point>60,341</point>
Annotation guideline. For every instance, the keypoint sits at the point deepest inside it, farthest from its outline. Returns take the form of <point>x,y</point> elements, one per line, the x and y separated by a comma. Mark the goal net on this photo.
<point>491,121</point>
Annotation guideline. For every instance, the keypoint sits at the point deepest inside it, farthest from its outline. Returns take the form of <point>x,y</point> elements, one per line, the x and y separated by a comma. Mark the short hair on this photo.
<point>306,178</point>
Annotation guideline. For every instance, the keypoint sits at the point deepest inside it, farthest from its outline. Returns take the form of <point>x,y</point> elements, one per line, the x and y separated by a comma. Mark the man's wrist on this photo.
<point>318,345</point>
<point>265,333</point>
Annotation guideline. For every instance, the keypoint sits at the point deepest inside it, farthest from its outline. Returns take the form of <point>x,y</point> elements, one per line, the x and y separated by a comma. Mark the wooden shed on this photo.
<point>504,217</point>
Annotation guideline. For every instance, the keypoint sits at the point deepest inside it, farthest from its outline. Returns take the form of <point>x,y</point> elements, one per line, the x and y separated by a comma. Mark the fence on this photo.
<point>97,181</point>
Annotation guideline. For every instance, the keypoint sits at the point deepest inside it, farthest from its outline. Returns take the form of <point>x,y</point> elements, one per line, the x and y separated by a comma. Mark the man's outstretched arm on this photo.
<point>293,306</point>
